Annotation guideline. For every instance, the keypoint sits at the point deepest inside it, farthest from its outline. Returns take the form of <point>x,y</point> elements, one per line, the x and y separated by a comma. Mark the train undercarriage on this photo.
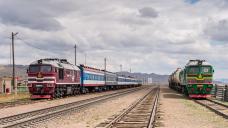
<point>69,90</point>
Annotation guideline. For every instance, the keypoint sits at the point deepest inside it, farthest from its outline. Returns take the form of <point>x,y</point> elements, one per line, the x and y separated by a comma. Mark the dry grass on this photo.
<point>13,97</point>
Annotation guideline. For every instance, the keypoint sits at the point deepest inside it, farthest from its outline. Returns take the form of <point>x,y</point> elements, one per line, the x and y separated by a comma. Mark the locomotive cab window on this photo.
<point>61,74</point>
<point>45,68</point>
<point>193,70</point>
<point>40,68</point>
<point>206,70</point>
<point>34,69</point>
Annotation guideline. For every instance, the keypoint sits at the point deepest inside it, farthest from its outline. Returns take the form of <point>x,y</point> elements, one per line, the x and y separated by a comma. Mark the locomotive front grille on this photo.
<point>200,81</point>
<point>39,80</point>
<point>38,89</point>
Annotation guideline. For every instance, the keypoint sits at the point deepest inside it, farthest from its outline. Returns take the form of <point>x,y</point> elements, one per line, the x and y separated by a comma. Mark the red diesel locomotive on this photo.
<point>50,78</point>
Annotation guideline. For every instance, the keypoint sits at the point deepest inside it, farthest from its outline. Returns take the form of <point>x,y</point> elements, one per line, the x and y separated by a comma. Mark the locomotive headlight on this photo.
<point>49,85</point>
<point>189,85</point>
<point>210,85</point>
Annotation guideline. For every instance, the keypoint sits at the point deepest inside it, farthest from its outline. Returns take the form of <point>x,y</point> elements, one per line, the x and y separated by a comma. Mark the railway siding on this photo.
<point>216,107</point>
<point>140,114</point>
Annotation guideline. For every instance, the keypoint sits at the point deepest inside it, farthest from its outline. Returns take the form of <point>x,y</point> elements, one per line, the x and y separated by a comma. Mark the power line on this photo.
<point>39,48</point>
<point>65,51</point>
<point>31,45</point>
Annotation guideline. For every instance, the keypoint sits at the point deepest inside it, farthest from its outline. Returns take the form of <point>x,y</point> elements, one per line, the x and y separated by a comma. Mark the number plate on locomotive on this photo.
<point>39,86</point>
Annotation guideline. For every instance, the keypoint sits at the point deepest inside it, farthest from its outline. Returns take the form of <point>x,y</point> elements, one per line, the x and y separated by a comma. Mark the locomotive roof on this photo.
<point>87,68</point>
<point>110,73</point>
<point>127,77</point>
<point>60,63</point>
<point>197,62</point>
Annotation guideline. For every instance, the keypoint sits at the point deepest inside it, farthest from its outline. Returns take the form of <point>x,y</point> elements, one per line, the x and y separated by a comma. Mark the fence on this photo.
<point>220,92</point>
<point>22,89</point>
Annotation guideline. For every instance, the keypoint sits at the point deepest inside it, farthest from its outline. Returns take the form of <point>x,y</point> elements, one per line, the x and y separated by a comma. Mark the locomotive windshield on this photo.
<point>193,70</point>
<point>196,70</point>
<point>206,69</point>
<point>40,68</point>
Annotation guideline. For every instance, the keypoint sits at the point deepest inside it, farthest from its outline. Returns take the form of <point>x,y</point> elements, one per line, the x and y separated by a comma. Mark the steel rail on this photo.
<point>29,101</point>
<point>218,103</point>
<point>153,113</point>
<point>214,106</point>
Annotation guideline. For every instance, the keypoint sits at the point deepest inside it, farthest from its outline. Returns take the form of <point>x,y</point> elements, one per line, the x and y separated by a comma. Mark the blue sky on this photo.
<point>192,1</point>
<point>144,35</point>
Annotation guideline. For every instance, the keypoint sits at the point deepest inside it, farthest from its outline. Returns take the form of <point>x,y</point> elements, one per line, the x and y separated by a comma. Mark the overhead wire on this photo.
<point>42,49</point>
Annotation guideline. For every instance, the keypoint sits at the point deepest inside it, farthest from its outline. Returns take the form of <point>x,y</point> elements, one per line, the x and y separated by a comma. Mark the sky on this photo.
<point>142,35</point>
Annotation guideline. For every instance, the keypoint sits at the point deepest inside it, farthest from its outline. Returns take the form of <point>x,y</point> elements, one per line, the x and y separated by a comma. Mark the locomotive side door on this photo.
<point>61,74</point>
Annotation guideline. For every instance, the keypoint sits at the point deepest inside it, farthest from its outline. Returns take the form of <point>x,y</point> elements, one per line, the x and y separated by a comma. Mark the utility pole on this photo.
<point>10,54</point>
<point>15,88</point>
<point>105,60</point>
<point>121,68</point>
<point>85,58</point>
<point>105,64</point>
<point>75,54</point>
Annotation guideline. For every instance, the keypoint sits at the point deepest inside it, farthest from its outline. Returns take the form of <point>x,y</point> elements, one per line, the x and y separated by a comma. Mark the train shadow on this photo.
<point>168,93</point>
<point>174,96</point>
<point>166,90</point>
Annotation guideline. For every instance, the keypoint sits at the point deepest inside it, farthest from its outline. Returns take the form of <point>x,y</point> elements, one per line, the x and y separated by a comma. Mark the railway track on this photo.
<point>33,117</point>
<point>30,101</point>
<point>141,114</point>
<point>218,108</point>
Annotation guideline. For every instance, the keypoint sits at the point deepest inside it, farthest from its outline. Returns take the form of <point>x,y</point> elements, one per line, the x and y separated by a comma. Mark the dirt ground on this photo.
<point>13,97</point>
<point>96,114</point>
<point>177,111</point>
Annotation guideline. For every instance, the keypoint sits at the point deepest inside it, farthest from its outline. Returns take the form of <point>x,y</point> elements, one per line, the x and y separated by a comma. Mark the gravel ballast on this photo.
<point>95,114</point>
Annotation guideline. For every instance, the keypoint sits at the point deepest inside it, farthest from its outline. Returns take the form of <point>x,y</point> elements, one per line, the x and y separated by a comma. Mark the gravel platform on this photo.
<point>178,111</point>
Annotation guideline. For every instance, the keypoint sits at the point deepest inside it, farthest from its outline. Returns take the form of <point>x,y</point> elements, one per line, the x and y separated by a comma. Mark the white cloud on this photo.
<point>146,35</point>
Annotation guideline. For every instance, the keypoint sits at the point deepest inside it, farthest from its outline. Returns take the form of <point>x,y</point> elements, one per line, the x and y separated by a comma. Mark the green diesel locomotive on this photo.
<point>195,80</point>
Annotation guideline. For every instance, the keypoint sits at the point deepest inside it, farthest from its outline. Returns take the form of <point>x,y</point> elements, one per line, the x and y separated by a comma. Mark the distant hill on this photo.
<point>221,81</point>
<point>156,78</point>
<point>20,71</point>
<point>6,70</point>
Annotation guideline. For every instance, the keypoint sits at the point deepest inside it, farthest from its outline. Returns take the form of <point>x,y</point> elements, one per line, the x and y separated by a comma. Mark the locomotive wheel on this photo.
<point>55,95</point>
<point>182,90</point>
<point>61,92</point>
